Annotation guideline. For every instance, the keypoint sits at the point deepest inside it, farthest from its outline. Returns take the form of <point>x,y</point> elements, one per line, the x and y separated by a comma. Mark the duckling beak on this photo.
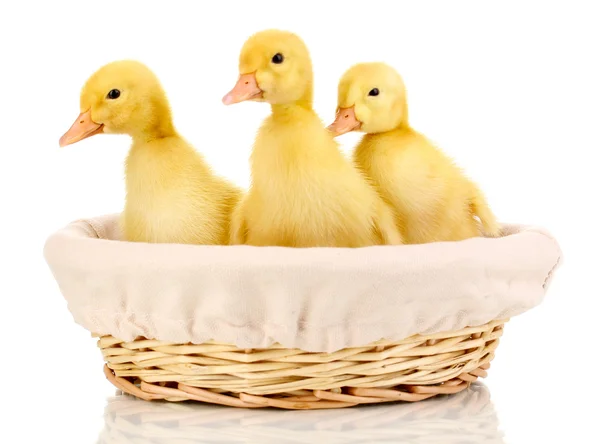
<point>82,128</point>
<point>345,121</point>
<point>246,88</point>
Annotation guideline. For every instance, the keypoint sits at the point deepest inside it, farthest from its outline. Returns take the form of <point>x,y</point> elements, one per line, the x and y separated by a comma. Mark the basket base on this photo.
<point>414,369</point>
<point>311,400</point>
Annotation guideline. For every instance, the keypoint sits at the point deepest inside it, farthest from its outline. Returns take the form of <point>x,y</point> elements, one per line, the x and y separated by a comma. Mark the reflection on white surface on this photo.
<point>467,417</point>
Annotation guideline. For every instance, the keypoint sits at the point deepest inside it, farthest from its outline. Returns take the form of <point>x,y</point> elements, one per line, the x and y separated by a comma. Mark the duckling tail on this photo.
<point>481,209</point>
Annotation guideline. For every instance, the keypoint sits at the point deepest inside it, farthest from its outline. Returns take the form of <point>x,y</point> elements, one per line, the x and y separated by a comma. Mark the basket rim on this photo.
<point>320,300</point>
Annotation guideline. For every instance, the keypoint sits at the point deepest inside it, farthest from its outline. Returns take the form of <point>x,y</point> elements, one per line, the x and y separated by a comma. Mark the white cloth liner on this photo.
<point>316,299</point>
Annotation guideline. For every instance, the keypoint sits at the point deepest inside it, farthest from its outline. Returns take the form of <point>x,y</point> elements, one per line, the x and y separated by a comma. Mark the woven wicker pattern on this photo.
<point>414,369</point>
<point>468,417</point>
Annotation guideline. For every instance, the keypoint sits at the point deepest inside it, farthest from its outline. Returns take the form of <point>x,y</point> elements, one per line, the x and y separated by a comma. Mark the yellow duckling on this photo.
<point>304,192</point>
<point>433,199</point>
<point>172,194</point>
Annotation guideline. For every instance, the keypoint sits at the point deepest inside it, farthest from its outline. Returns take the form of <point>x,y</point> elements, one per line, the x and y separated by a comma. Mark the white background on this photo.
<point>510,89</point>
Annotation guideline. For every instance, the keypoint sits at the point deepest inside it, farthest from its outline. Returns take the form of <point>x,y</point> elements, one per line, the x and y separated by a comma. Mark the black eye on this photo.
<point>113,94</point>
<point>374,92</point>
<point>277,58</point>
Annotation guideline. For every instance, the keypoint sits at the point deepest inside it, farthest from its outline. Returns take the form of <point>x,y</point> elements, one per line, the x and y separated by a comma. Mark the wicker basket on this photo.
<point>287,326</point>
<point>467,418</point>
<point>414,369</point>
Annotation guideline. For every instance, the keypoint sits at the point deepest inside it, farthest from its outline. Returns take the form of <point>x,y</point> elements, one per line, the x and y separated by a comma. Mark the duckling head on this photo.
<point>123,97</point>
<point>275,67</point>
<point>371,99</point>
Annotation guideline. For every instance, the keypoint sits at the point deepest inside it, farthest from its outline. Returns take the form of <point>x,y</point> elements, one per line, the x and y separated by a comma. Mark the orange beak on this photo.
<point>345,121</point>
<point>246,88</point>
<point>82,128</point>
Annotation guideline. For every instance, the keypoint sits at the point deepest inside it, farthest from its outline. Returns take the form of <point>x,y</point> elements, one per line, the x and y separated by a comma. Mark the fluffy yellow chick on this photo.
<point>432,198</point>
<point>172,194</point>
<point>304,192</point>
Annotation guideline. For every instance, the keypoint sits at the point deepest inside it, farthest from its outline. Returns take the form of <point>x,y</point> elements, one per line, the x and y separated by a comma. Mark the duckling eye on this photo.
<point>374,92</point>
<point>113,94</point>
<point>277,58</point>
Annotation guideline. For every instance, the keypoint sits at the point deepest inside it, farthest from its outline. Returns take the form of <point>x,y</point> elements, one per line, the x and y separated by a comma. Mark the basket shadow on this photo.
<point>466,417</point>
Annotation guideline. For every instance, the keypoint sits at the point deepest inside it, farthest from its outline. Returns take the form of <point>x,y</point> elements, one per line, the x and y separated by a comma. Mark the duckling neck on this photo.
<point>159,129</point>
<point>288,111</point>
<point>153,120</point>
<point>403,127</point>
<point>400,132</point>
<point>305,102</point>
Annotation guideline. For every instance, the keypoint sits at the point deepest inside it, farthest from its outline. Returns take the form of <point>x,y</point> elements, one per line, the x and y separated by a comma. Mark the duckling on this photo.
<point>173,196</point>
<point>304,192</point>
<point>432,198</point>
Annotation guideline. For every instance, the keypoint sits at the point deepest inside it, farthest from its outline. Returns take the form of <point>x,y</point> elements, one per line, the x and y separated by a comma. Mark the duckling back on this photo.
<point>174,197</point>
<point>432,197</point>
